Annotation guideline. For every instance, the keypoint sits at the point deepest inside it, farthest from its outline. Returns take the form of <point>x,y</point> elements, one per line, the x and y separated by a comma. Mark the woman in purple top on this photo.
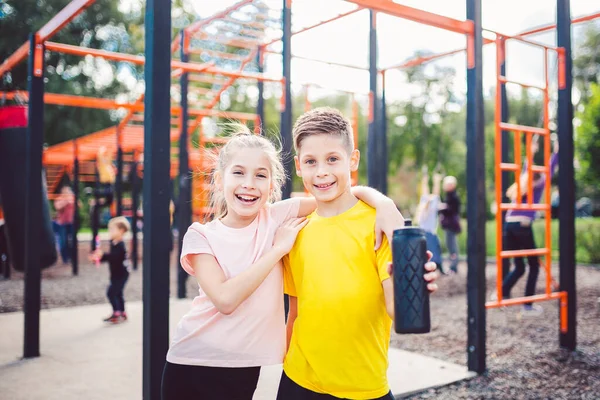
<point>518,234</point>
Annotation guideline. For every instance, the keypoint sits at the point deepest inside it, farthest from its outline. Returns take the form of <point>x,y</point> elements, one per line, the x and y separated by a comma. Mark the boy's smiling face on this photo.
<point>325,165</point>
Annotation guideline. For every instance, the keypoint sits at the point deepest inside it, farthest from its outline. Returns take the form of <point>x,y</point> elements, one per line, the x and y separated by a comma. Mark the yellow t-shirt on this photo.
<point>341,336</point>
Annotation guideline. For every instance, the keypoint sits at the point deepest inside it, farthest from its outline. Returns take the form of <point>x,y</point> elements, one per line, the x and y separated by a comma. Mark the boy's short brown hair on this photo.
<point>323,121</point>
<point>121,223</point>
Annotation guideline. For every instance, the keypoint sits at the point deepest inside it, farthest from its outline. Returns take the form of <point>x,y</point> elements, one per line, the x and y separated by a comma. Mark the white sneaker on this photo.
<point>532,310</point>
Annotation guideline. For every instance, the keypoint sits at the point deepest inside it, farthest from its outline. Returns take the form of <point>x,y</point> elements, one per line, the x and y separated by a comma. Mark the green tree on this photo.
<point>588,144</point>
<point>586,62</point>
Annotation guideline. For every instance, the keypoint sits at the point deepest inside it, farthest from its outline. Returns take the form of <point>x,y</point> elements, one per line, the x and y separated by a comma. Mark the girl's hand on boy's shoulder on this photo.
<point>430,276</point>
<point>387,219</point>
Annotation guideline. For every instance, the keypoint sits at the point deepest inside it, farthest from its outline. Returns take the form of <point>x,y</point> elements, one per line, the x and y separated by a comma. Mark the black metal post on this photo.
<point>505,144</point>
<point>260,106</point>
<point>75,254</point>
<point>476,207</point>
<point>382,143</point>
<point>135,204</point>
<point>184,209</point>
<point>286,113</point>
<point>566,180</point>
<point>372,142</point>
<point>119,177</point>
<point>157,126</point>
<point>33,198</point>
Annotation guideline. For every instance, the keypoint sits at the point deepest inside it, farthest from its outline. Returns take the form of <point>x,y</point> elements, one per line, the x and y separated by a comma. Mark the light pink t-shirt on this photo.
<point>254,334</point>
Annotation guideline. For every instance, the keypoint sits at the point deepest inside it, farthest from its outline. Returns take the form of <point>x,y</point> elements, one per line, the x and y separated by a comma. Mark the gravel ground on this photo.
<point>524,360</point>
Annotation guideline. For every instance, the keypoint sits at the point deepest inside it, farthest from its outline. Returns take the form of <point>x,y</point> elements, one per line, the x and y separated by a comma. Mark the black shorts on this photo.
<point>290,390</point>
<point>192,382</point>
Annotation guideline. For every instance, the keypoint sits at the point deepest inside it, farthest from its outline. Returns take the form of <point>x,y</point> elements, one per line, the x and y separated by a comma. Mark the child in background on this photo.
<point>427,215</point>
<point>236,323</point>
<point>341,294</point>
<point>119,272</point>
<point>450,220</point>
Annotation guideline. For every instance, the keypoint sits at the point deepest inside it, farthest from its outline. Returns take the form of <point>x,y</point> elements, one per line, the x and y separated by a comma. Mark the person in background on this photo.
<point>427,215</point>
<point>64,205</point>
<point>119,271</point>
<point>450,220</point>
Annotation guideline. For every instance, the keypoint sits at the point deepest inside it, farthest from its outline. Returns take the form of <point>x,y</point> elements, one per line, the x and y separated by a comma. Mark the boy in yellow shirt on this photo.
<point>341,294</point>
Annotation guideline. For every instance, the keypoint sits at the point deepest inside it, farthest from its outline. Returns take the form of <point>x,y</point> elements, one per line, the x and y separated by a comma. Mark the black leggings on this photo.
<point>192,382</point>
<point>518,237</point>
<point>290,390</point>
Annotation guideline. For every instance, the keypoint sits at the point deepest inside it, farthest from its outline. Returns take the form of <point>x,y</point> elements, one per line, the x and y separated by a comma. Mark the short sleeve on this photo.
<point>194,242</point>
<point>384,257</point>
<point>283,210</point>
<point>289,287</point>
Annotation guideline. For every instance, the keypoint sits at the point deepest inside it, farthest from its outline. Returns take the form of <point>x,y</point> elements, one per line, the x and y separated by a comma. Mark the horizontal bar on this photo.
<point>549,27</point>
<point>107,104</point>
<point>538,168</point>
<point>503,79</point>
<point>524,207</point>
<point>523,128</point>
<point>423,59</point>
<point>111,55</point>
<point>522,39</point>
<point>228,42</point>
<point>15,58</point>
<point>320,61</point>
<point>222,54</point>
<point>63,17</point>
<point>320,23</point>
<point>524,300</point>
<point>524,253</point>
<point>509,167</point>
<point>416,15</point>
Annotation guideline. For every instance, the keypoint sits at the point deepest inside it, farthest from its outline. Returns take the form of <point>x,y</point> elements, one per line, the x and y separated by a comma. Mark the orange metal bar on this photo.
<point>518,153</point>
<point>355,133</point>
<point>508,167</point>
<point>524,253</point>
<point>321,23</point>
<point>498,170</point>
<point>522,39</point>
<point>207,79</point>
<point>109,55</point>
<point>64,16</point>
<point>523,128</point>
<point>529,158</point>
<point>547,145</point>
<point>523,300</point>
<point>15,58</point>
<point>423,59</point>
<point>503,79</point>
<point>246,41</point>
<point>546,28</point>
<point>226,41</point>
<point>562,69</point>
<point>222,54</point>
<point>417,15</point>
<point>524,207</point>
<point>307,105</point>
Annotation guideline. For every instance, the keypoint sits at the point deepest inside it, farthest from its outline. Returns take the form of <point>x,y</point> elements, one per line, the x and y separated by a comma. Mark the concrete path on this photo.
<point>83,358</point>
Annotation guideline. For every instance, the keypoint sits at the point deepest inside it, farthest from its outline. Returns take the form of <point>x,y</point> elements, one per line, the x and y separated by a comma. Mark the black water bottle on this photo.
<point>411,297</point>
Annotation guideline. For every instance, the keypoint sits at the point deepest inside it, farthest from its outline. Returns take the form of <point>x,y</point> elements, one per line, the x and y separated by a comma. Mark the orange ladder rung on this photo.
<point>524,253</point>
<point>524,207</point>
<point>523,128</point>
<point>538,168</point>
<point>503,79</point>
